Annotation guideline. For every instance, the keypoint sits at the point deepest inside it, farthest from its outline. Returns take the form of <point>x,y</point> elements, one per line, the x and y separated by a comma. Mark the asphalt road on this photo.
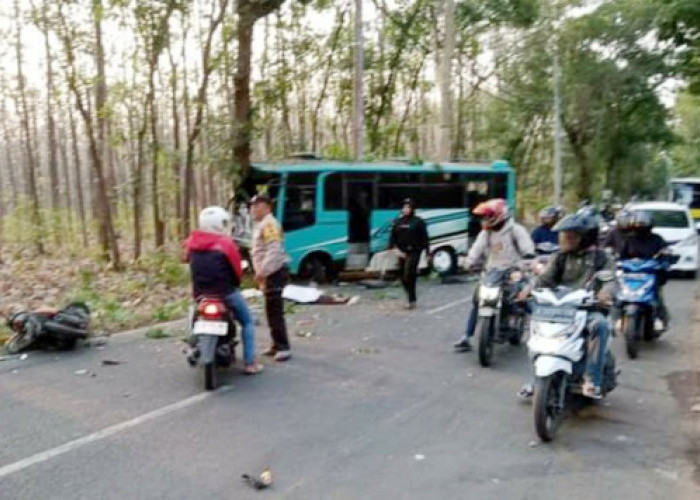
<point>374,404</point>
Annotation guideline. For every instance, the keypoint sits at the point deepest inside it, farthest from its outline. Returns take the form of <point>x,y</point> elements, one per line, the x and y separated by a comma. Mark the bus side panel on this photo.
<point>329,236</point>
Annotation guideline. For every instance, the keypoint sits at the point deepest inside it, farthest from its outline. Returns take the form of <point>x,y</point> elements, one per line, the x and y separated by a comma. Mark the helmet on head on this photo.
<point>641,219</point>
<point>550,215</point>
<point>493,213</point>
<point>581,223</point>
<point>215,220</point>
<point>623,219</point>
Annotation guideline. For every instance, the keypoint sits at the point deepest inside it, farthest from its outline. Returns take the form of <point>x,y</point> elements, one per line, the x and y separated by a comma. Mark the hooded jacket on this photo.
<point>215,264</point>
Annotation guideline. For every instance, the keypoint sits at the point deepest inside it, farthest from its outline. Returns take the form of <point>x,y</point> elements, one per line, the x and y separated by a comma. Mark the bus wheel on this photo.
<point>444,261</point>
<point>315,268</point>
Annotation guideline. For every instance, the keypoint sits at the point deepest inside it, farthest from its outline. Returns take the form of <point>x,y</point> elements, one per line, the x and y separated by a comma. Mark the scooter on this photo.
<point>212,341</point>
<point>557,347</point>
<point>500,318</point>
<point>638,298</point>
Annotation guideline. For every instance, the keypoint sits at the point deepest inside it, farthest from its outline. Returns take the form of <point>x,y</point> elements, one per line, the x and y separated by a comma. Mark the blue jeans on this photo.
<point>598,335</point>
<point>239,306</point>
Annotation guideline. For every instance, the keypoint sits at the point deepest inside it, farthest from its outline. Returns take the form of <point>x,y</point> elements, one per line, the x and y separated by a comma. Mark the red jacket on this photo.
<point>215,263</point>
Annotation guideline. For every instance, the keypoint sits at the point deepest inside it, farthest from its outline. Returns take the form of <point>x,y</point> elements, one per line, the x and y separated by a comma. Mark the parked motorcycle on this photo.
<point>638,299</point>
<point>557,348</point>
<point>500,318</point>
<point>213,338</point>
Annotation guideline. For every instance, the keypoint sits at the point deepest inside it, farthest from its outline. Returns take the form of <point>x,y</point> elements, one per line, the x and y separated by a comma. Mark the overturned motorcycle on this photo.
<point>557,348</point>
<point>54,329</point>
<point>212,341</point>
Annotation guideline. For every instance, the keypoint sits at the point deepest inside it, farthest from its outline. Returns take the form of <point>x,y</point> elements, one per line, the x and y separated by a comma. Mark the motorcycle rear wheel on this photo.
<point>485,328</point>
<point>547,411</point>
<point>210,376</point>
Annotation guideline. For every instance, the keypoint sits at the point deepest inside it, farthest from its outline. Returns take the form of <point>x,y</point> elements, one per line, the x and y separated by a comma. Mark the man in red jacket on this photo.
<point>215,265</point>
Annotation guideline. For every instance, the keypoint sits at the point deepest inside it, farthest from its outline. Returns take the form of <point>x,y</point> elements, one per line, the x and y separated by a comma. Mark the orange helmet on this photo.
<point>492,212</point>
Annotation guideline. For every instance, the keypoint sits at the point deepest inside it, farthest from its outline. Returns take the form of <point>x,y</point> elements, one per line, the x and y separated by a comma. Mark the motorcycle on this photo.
<point>557,347</point>
<point>500,318</point>
<point>212,341</point>
<point>49,328</point>
<point>546,248</point>
<point>637,299</point>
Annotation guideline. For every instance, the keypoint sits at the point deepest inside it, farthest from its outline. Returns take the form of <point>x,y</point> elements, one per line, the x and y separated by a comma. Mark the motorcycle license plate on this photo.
<point>554,314</point>
<point>218,328</point>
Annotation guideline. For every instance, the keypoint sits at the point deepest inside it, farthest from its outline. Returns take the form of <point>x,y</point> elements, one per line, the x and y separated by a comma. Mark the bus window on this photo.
<point>299,202</point>
<point>683,194</point>
<point>333,198</point>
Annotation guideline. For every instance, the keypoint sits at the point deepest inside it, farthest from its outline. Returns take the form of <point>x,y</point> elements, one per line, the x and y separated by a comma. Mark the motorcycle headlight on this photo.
<point>638,292</point>
<point>489,294</point>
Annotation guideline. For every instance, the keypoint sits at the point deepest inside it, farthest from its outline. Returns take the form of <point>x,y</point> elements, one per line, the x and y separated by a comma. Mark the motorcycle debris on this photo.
<point>23,357</point>
<point>419,457</point>
<point>305,335</point>
<point>695,408</point>
<point>261,482</point>
<point>532,444</point>
<point>111,362</point>
<point>81,372</point>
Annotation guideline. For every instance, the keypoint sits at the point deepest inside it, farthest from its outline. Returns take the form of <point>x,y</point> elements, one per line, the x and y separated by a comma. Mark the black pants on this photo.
<point>408,271</point>
<point>274,308</point>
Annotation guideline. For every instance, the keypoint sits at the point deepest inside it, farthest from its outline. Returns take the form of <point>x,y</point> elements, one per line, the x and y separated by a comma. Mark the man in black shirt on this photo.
<point>409,237</point>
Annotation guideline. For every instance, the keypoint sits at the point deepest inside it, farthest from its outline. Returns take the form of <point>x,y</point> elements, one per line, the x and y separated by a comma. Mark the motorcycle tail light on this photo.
<point>211,309</point>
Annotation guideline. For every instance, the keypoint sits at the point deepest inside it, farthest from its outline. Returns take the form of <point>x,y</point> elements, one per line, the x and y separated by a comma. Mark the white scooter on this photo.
<point>557,348</point>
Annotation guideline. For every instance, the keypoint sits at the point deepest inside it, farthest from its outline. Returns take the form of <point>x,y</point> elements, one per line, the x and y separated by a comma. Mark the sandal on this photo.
<point>253,369</point>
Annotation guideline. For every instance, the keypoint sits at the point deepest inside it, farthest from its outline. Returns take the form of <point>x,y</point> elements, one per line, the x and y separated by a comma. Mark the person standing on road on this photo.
<point>503,243</point>
<point>271,274</point>
<point>409,237</point>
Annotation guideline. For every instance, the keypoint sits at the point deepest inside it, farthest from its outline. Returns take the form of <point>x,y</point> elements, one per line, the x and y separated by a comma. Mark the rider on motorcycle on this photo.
<point>615,240</point>
<point>575,266</point>
<point>503,243</point>
<point>642,243</point>
<point>543,233</point>
<point>215,265</point>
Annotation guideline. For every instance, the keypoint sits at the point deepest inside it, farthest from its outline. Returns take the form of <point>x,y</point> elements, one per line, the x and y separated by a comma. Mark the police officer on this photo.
<point>271,274</point>
<point>409,237</point>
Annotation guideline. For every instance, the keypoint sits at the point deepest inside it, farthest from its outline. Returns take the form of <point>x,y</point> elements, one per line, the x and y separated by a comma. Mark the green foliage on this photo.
<point>156,334</point>
<point>171,311</point>
<point>166,268</point>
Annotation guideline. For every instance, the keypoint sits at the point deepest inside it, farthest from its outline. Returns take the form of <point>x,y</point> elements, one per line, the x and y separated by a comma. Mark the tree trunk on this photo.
<point>249,11</point>
<point>177,162</point>
<point>37,226</point>
<point>78,175</point>
<point>445,79</point>
<point>50,124</point>
<point>9,159</point>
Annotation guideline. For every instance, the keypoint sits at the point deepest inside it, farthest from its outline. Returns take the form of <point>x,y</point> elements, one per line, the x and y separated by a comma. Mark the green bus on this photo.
<point>336,215</point>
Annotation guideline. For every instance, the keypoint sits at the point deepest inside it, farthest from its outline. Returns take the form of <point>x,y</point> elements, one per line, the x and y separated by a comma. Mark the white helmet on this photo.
<point>215,220</point>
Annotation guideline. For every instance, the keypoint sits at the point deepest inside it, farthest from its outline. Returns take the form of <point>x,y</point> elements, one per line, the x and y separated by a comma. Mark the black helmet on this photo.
<point>551,214</point>
<point>624,219</point>
<point>409,202</point>
<point>582,223</point>
<point>641,219</point>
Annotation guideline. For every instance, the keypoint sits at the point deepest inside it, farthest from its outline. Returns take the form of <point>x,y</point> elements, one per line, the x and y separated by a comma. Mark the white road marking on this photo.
<point>448,306</point>
<point>105,433</point>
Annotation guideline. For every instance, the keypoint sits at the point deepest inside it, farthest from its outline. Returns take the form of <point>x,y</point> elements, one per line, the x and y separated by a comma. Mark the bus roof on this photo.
<point>316,166</point>
<point>690,180</point>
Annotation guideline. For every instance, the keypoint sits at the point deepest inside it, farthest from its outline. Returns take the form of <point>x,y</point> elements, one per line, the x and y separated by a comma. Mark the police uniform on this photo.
<point>269,260</point>
<point>410,235</point>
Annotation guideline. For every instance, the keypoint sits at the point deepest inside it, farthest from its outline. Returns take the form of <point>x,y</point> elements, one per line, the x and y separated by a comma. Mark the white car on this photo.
<point>674,224</point>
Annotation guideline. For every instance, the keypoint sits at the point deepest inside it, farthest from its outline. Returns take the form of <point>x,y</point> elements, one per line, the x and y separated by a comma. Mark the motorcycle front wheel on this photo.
<point>548,409</point>
<point>485,328</point>
<point>631,326</point>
